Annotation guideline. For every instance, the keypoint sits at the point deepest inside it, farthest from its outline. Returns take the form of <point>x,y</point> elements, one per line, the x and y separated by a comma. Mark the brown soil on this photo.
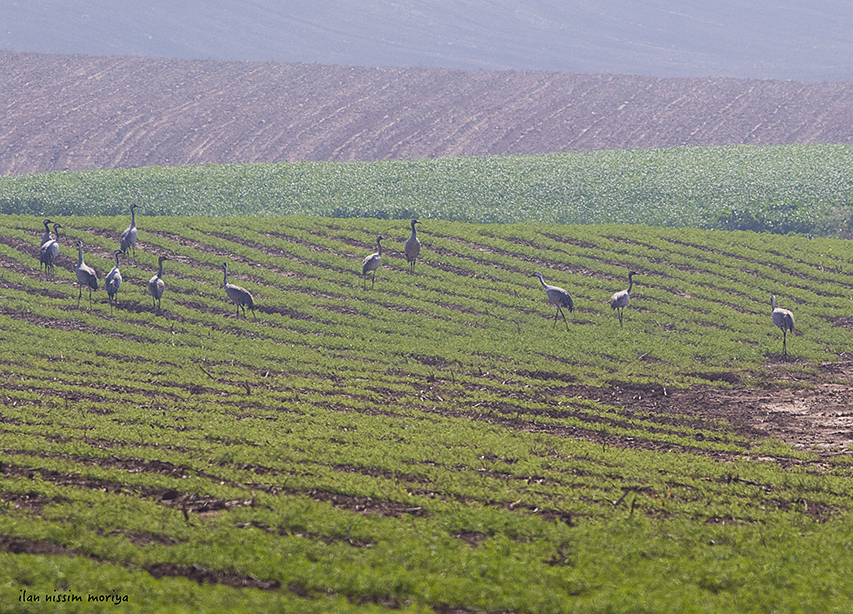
<point>808,411</point>
<point>86,112</point>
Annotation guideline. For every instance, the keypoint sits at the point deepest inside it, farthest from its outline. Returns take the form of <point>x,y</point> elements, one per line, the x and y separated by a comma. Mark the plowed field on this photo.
<point>86,112</point>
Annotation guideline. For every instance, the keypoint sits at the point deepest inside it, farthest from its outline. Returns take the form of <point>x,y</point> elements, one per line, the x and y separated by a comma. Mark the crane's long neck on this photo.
<point>225,278</point>
<point>79,255</point>
<point>160,271</point>
<point>379,243</point>
<point>414,232</point>
<point>630,283</point>
<point>116,260</point>
<point>132,217</point>
<point>56,228</point>
<point>542,281</point>
<point>773,302</point>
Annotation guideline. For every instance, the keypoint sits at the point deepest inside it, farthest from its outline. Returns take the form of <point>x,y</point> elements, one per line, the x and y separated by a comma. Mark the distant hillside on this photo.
<point>83,112</point>
<point>763,39</point>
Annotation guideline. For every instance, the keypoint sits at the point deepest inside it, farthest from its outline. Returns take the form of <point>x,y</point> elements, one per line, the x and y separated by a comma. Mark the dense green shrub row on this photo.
<point>805,189</point>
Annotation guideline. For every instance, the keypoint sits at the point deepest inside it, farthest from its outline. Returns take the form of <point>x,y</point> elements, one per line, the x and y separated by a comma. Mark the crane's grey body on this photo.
<point>241,297</point>
<point>49,252</point>
<point>559,297</point>
<point>372,262</point>
<point>129,236</point>
<point>112,282</point>
<point>86,275</point>
<point>413,247</point>
<point>621,299</point>
<point>156,286</point>
<point>784,320</point>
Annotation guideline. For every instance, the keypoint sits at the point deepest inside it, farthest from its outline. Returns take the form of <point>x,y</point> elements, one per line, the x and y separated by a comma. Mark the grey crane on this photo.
<point>46,236</point>
<point>49,252</point>
<point>128,237</point>
<point>156,284</point>
<point>240,296</point>
<point>85,275</point>
<point>620,299</point>
<point>559,297</point>
<point>372,262</point>
<point>112,282</point>
<point>784,320</point>
<point>412,247</point>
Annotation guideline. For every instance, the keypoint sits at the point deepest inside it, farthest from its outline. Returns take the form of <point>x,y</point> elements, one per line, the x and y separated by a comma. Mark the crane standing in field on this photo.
<point>372,262</point>
<point>621,299</point>
<point>559,297</point>
<point>783,319</point>
<point>129,236</point>
<point>156,286</point>
<point>413,247</point>
<point>112,282</point>
<point>49,252</point>
<point>86,275</point>
<point>240,296</point>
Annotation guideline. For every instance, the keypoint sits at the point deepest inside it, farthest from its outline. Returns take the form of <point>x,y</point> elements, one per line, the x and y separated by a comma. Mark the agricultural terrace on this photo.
<point>435,443</point>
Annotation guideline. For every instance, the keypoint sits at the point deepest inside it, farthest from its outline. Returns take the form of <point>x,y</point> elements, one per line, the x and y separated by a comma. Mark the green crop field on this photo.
<point>435,443</point>
<point>805,189</point>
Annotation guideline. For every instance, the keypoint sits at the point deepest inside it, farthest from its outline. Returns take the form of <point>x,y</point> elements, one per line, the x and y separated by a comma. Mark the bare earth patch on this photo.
<point>808,411</point>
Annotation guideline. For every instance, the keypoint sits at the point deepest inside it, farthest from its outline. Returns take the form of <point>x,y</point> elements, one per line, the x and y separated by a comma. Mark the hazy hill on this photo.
<point>765,39</point>
<point>82,112</point>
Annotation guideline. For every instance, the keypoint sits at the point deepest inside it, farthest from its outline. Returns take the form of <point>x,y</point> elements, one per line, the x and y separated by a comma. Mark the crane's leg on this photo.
<point>560,311</point>
<point>784,343</point>
<point>79,296</point>
<point>373,283</point>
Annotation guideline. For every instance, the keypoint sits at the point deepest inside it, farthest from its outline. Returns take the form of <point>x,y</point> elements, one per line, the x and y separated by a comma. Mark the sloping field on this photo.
<point>436,442</point>
<point>85,112</point>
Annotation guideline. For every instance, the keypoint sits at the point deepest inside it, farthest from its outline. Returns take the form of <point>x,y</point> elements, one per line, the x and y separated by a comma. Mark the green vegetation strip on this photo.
<point>435,443</point>
<point>781,189</point>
